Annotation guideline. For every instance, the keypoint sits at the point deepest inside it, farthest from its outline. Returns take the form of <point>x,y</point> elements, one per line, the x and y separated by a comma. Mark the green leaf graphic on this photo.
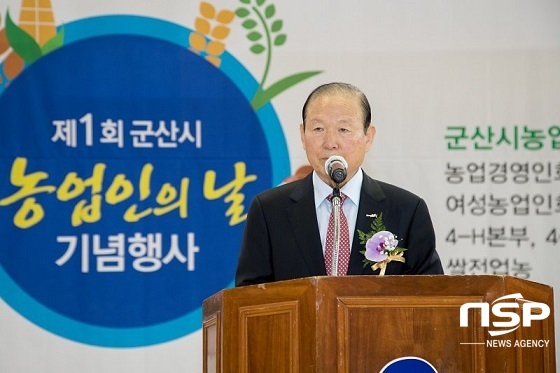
<point>276,25</point>
<point>55,42</point>
<point>270,11</point>
<point>279,40</point>
<point>22,43</point>
<point>246,1</point>
<point>257,48</point>
<point>242,12</point>
<point>254,35</point>
<point>260,2</point>
<point>249,24</point>
<point>280,86</point>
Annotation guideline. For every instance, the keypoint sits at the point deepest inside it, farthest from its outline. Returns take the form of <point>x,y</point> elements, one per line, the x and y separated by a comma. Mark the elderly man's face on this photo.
<point>334,125</point>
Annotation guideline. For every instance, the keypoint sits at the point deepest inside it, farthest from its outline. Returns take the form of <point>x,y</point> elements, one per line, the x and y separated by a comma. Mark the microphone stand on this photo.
<point>337,203</point>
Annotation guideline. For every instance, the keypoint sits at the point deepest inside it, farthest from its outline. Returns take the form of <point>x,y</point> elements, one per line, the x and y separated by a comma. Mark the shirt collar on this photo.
<point>352,188</point>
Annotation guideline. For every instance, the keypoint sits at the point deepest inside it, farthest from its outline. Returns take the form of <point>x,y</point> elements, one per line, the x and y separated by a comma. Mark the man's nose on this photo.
<point>330,140</point>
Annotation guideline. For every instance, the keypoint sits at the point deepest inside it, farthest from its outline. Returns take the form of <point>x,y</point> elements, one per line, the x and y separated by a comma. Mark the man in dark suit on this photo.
<point>286,229</point>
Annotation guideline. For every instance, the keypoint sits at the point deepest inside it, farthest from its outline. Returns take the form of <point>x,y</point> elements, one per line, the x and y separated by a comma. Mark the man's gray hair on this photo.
<point>337,88</point>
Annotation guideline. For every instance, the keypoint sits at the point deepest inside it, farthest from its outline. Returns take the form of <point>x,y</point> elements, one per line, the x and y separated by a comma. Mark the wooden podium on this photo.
<point>360,323</point>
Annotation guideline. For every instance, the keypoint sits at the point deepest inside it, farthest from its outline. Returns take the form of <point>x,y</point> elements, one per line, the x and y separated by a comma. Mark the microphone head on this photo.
<point>336,167</point>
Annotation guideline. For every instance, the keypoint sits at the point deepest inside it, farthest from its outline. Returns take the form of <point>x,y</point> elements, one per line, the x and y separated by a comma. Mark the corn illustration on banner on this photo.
<point>135,135</point>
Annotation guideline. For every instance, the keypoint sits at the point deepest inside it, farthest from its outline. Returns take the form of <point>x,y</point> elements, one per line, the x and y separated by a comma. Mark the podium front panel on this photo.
<point>360,323</point>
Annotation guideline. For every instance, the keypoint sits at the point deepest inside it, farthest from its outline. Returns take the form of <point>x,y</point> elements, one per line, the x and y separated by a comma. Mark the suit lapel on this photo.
<point>371,202</point>
<point>303,220</point>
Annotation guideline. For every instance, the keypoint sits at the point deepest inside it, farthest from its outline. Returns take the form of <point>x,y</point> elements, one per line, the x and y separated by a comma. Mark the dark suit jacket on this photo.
<point>281,239</point>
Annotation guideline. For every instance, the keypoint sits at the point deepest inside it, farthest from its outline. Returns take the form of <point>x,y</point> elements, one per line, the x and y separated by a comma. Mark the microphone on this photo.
<point>336,167</point>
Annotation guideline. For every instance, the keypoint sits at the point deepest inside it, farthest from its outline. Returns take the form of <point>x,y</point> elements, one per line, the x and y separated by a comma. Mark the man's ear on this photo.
<point>302,134</point>
<point>370,134</point>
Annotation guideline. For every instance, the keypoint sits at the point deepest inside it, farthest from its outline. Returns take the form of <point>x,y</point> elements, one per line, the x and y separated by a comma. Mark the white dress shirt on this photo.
<point>323,206</point>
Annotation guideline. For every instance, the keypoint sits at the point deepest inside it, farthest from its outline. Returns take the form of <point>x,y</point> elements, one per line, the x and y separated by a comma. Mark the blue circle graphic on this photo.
<point>118,74</point>
<point>409,364</point>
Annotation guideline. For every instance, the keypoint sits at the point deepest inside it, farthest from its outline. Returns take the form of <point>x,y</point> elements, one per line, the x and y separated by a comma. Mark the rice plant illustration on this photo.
<point>211,30</point>
<point>265,32</point>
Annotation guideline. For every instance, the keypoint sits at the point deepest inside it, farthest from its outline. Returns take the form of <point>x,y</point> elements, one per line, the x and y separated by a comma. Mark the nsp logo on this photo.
<point>529,311</point>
